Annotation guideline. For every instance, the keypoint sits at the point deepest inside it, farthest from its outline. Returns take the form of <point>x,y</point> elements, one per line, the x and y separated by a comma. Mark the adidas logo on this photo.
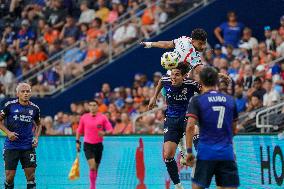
<point>16,111</point>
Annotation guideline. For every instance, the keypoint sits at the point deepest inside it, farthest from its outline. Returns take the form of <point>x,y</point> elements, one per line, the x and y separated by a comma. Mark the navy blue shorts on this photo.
<point>226,173</point>
<point>174,128</point>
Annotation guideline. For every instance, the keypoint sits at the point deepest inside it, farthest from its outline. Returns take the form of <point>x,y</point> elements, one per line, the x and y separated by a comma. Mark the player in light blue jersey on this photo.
<point>20,116</point>
<point>216,114</point>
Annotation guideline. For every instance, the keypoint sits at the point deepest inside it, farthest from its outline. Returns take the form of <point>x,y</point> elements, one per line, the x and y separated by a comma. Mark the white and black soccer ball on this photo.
<point>169,60</point>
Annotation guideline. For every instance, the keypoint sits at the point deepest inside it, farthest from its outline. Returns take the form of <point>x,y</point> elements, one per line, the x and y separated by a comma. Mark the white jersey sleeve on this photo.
<point>187,52</point>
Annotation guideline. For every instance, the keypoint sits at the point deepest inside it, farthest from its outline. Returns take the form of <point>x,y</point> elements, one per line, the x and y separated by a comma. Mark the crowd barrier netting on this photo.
<point>135,162</point>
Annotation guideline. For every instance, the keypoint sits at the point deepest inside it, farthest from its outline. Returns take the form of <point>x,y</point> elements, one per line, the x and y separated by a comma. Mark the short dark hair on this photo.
<point>268,80</point>
<point>93,100</point>
<point>183,67</point>
<point>199,34</point>
<point>99,21</point>
<point>208,76</point>
<point>257,79</point>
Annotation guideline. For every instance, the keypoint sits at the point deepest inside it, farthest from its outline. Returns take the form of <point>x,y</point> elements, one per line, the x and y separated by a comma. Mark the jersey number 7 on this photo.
<point>221,110</point>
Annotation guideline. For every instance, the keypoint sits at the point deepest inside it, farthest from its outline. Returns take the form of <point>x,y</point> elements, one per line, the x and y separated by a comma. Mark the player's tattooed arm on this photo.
<point>153,100</point>
<point>159,44</point>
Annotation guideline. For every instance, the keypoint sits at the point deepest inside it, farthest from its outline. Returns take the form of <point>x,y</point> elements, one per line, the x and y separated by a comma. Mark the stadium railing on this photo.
<point>137,125</point>
<point>56,60</point>
<point>271,118</point>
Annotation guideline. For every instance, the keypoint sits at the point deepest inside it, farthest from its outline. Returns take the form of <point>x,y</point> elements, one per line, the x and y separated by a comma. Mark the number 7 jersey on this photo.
<point>215,113</point>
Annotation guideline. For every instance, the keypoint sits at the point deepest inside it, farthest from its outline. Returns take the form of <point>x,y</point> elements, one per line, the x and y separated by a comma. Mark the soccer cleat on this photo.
<point>178,186</point>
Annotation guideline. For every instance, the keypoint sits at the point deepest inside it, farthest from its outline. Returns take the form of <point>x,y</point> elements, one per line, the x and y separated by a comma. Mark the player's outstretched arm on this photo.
<point>159,44</point>
<point>153,100</point>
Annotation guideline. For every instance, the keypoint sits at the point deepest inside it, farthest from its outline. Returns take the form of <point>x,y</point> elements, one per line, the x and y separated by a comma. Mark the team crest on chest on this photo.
<point>31,112</point>
<point>184,91</point>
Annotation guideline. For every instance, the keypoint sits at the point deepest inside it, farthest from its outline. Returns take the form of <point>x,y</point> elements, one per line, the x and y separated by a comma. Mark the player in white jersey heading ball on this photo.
<point>187,48</point>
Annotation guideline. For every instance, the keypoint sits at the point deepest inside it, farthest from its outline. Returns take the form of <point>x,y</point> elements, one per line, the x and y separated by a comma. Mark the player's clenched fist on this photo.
<point>146,44</point>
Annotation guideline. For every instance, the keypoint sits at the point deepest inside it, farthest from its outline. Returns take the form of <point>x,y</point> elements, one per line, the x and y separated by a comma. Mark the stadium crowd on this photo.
<point>256,82</point>
<point>34,31</point>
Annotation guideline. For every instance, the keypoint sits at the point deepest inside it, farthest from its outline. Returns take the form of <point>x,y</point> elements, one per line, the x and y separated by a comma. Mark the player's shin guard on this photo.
<point>172,170</point>
<point>9,185</point>
<point>31,185</point>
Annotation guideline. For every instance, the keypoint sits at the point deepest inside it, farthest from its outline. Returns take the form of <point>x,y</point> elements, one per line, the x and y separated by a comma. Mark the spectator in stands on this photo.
<point>280,45</point>
<point>36,55</point>
<point>72,60</point>
<point>47,126</point>
<point>95,29</point>
<point>229,54</point>
<point>65,128</point>
<point>218,52</point>
<point>102,11</point>
<point>123,35</point>
<point>247,38</point>
<point>87,15</point>
<point>152,18</point>
<point>256,89</point>
<point>271,97</point>
<point>23,67</point>
<point>123,125</point>
<point>255,103</point>
<point>94,53</point>
<point>7,78</point>
<point>240,98</point>
<point>24,35</point>
<point>114,13</point>
<point>229,33</point>
<point>269,41</point>
<point>50,35</point>
<point>69,29</point>
<point>8,36</point>
<point>281,28</point>
<point>5,56</point>
<point>248,77</point>
<point>55,14</point>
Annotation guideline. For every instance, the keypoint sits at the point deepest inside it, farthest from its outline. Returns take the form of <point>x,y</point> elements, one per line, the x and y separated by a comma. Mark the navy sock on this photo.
<point>31,185</point>
<point>9,186</point>
<point>172,170</point>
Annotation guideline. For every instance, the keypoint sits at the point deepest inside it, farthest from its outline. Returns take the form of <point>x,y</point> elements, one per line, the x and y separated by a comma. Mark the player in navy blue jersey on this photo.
<point>20,116</point>
<point>216,114</point>
<point>178,90</point>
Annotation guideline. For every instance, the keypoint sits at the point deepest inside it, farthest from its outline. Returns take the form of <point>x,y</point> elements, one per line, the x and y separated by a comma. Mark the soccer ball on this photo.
<point>169,60</point>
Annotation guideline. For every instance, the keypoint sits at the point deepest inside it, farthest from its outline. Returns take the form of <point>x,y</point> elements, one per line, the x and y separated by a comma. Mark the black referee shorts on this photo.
<point>93,151</point>
<point>26,157</point>
<point>226,173</point>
